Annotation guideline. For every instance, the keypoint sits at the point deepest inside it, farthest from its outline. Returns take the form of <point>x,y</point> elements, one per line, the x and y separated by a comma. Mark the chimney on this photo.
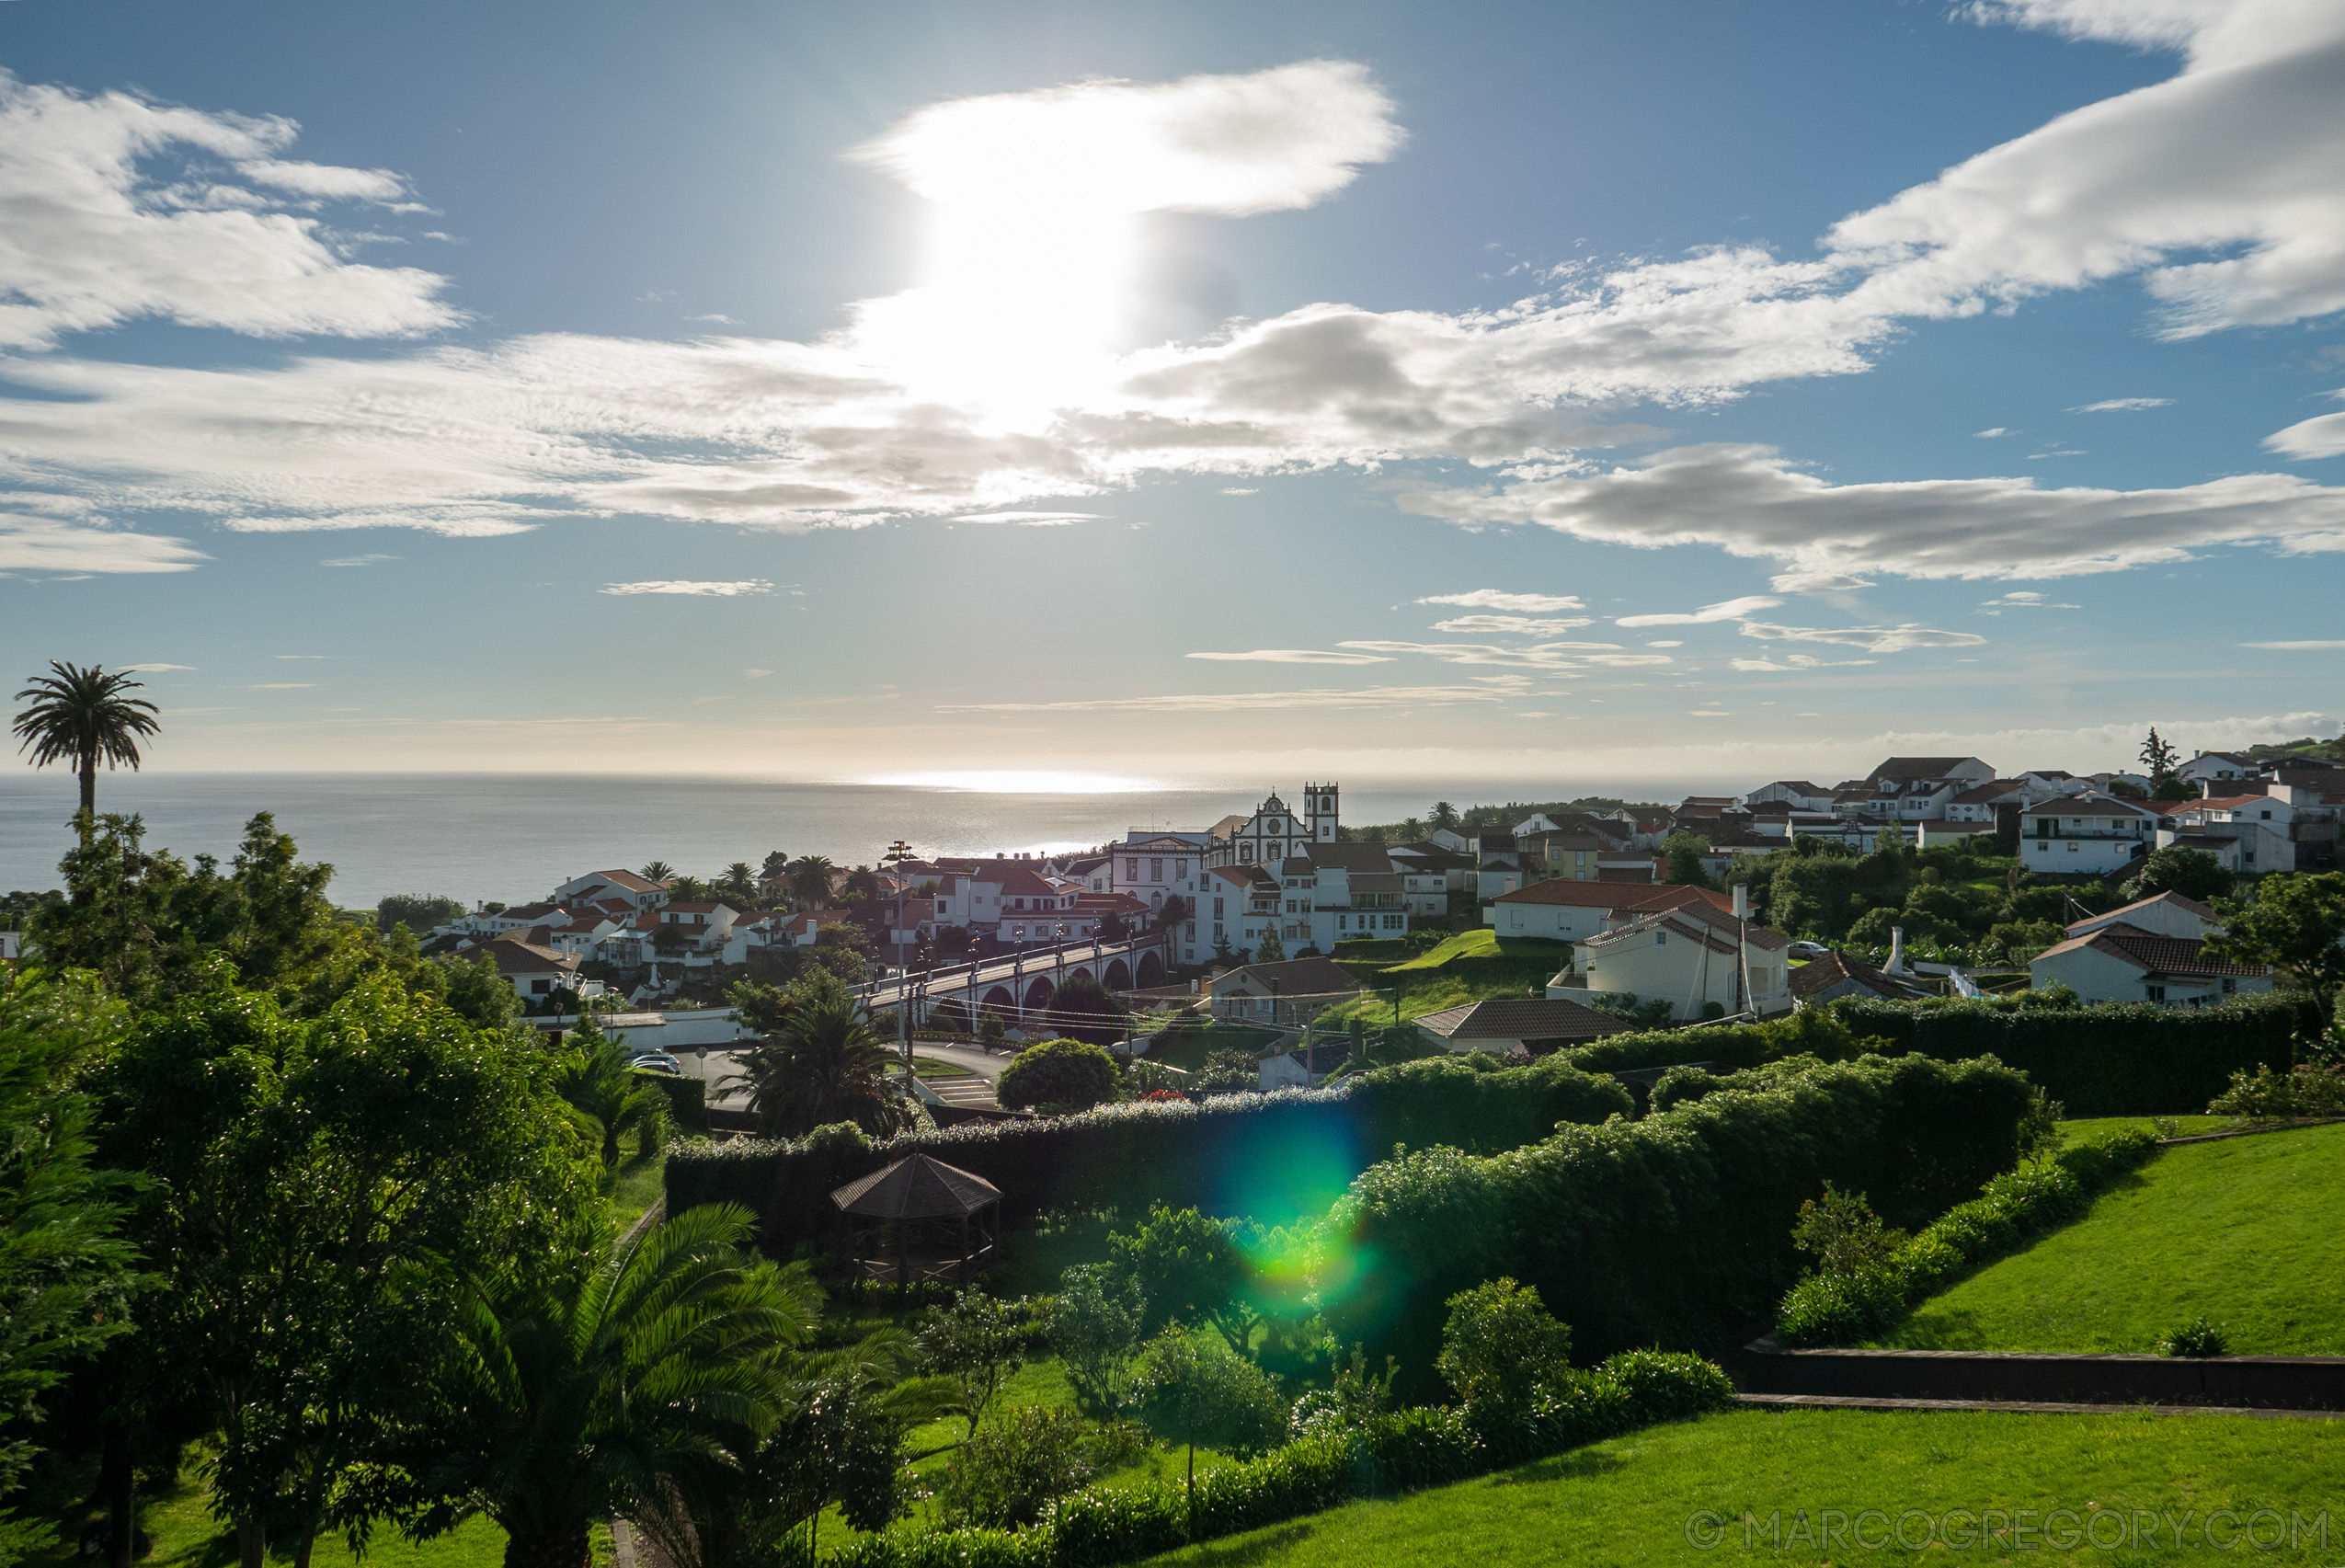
<point>1897,965</point>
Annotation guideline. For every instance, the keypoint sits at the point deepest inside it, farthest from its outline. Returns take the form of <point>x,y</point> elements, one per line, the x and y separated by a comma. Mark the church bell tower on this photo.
<point>1320,801</point>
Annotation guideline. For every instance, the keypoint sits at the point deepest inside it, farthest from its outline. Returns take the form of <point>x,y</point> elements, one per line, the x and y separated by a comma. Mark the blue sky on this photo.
<point>1335,389</point>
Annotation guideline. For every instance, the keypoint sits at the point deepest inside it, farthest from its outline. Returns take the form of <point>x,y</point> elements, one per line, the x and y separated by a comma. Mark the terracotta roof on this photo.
<point>1987,793</point>
<point>2089,805</point>
<point>513,957</point>
<point>1300,977</point>
<point>916,1188</point>
<point>630,881</point>
<point>1612,895</point>
<point>1823,974</point>
<point>1541,1018</point>
<point>1916,768</point>
<point>529,915</point>
<point>1353,857</point>
<point>2174,900</point>
<point>2148,951</point>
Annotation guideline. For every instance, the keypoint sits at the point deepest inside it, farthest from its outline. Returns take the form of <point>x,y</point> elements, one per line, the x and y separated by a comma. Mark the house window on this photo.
<point>2072,846</point>
<point>1180,869</point>
<point>1661,939</point>
<point>1156,871</point>
<point>2229,985</point>
<point>1217,909</point>
<point>943,907</point>
<point>1131,871</point>
<point>540,988</point>
<point>2154,993</point>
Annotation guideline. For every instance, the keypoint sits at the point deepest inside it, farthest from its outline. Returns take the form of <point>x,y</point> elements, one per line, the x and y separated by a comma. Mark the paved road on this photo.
<point>985,1064</point>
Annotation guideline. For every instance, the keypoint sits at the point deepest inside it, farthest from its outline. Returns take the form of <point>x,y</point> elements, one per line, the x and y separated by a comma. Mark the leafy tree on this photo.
<point>65,1280</point>
<point>1685,851</point>
<point>810,882</point>
<point>1171,913</point>
<point>1444,815</point>
<point>774,868</point>
<point>657,871</point>
<point>1060,1074</point>
<point>313,1191</point>
<point>843,951</point>
<point>980,1343</point>
<point>1112,928</point>
<point>600,1084</point>
<point>84,717</point>
<point>2294,924</point>
<point>1082,1009</point>
<point>1190,1395</point>
<point>738,885</point>
<point>1004,1478</point>
<point>1271,949</point>
<point>592,1381</point>
<point>1190,1271</point>
<point>1843,1234</point>
<point>952,943</point>
<point>689,891</point>
<point>2159,756</point>
<point>2194,874</point>
<point>2174,786</point>
<point>478,994</point>
<point>862,883</point>
<point>1093,1325</point>
<point>1501,1343</point>
<point>819,1061</point>
<point>419,912</point>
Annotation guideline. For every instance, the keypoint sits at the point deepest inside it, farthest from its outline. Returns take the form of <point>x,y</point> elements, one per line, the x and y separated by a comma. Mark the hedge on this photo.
<point>1105,1525</point>
<point>1128,1156</point>
<point>2111,1060</point>
<point>1673,1230</point>
<point>2016,1207</point>
<point>686,1099</point>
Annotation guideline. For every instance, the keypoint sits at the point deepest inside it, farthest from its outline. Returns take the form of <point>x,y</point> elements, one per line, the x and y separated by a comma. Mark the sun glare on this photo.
<point>1012,781</point>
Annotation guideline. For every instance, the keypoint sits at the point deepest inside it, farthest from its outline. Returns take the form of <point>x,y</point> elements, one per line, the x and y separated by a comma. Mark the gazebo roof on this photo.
<point>916,1188</point>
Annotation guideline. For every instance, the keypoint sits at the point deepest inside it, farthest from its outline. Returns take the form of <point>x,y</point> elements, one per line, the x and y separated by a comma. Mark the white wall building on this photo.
<point>2087,834</point>
<point>1693,956</point>
<point>2125,963</point>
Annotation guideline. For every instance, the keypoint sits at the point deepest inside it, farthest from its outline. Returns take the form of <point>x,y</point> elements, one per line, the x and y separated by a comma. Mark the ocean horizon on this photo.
<point>516,837</point>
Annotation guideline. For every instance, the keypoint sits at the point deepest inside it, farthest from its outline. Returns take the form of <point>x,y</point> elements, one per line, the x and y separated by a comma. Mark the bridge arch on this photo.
<point>949,1015</point>
<point>1038,994</point>
<point>1000,1004</point>
<point>1151,970</point>
<point>1118,975</point>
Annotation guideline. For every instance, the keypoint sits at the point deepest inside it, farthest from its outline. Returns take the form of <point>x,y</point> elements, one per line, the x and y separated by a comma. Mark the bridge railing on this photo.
<point>1024,960</point>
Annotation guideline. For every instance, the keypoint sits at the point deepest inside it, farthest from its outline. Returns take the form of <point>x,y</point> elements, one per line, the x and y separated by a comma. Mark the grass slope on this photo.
<point>1473,966</point>
<point>2243,1231</point>
<point>1627,1502</point>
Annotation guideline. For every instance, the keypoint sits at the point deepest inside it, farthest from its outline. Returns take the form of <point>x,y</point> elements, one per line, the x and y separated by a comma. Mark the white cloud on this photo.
<point>707,589</point>
<point>1282,137</point>
<point>157,667</point>
<point>1539,656</point>
<point>1294,655</point>
<point>1521,626</point>
<point>2121,404</point>
<point>1242,490</point>
<point>31,543</point>
<point>2321,436</point>
<point>1666,642</point>
<point>369,560</point>
<point>2297,647</point>
<point>2025,598</point>
<point>1816,582</point>
<point>1872,639</point>
<point>755,674</point>
<point>1032,518</point>
<point>1238,702</point>
<point>1797,662</point>
<point>1751,502</point>
<point>719,320</point>
<point>1497,598</point>
<point>1728,609</point>
<point>1988,435</point>
<point>113,207</point>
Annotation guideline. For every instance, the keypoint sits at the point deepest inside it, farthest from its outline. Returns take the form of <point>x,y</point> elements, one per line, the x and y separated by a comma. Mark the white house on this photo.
<point>636,891</point>
<point>1911,789</point>
<point>1236,905</point>
<point>2125,963</point>
<point>1535,1025</point>
<point>1691,956</point>
<point>1285,995</point>
<point>2214,767</point>
<point>533,972</point>
<point>1561,909</point>
<point>1797,794</point>
<point>2244,832</point>
<point>2088,834</point>
<point>2162,914</point>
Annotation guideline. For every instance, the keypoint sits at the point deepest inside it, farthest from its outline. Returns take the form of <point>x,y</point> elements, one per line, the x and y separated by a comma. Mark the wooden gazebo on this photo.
<point>920,1220</point>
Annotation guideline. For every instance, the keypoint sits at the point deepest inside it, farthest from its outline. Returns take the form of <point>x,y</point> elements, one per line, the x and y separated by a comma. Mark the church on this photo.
<point>1277,830</point>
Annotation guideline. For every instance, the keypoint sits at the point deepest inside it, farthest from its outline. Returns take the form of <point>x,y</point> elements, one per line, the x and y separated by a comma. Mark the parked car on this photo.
<point>1808,950</point>
<point>657,1062</point>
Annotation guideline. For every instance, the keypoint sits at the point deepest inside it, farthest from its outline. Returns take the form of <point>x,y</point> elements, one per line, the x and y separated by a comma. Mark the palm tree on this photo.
<point>603,1086</point>
<point>657,871</point>
<point>738,881</point>
<point>83,717</point>
<point>824,1064</point>
<point>594,1387</point>
<point>810,882</point>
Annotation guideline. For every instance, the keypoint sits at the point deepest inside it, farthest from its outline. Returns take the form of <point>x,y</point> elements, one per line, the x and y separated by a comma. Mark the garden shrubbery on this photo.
<point>1867,1275</point>
<point>1172,1152</point>
<point>2267,1095</point>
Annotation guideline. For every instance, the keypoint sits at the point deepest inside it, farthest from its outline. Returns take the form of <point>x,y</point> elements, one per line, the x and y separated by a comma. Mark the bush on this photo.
<point>1862,1292</point>
<point>1676,1226</point>
<point>1059,1072</point>
<point>1175,1153</point>
<point>1500,1345</point>
<point>1007,1474</point>
<point>2267,1095</point>
<point>2199,1338</point>
<point>687,1100</point>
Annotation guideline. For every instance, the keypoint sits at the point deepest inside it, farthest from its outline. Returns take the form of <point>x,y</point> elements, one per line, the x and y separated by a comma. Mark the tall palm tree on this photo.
<point>810,882</point>
<point>825,1064</point>
<point>738,882</point>
<point>593,1388</point>
<point>84,716</point>
<point>603,1086</point>
<point>657,871</point>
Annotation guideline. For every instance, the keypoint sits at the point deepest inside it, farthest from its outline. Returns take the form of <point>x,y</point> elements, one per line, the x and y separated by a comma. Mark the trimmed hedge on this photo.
<point>2016,1207</point>
<point>1102,1526</point>
<point>2111,1060</point>
<point>1179,1153</point>
<point>1673,1229</point>
<point>687,1100</point>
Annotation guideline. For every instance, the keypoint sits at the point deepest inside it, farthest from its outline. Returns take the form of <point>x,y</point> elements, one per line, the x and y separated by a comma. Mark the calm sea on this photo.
<point>515,838</point>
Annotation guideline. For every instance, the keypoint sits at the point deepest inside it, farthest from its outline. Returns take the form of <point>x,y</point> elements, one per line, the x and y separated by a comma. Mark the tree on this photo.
<point>2295,925</point>
<point>1093,1325</point>
<point>738,882</point>
<point>979,1343</point>
<point>2194,874</point>
<point>1190,1395</point>
<point>1112,928</point>
<point>774,868</point>
<point>1501,1343</point>
<point>419,912</point>
<point>1058,1075</point>
<point>314,1192</point>
<point>2173,786</point>
<point>1444,815</point>
<point>601,1085</point>
<point>479,995</point>
<point>1082,1009</point>
<point>1190,1271</point>
<point>2159,756</point>
<point>65,1275</point>
<point>84,717</point>
<point>810,882</point>
<point>821,1061</point>
<point>592,1382</point>
<point>657,871</point>
<point>862,883</point>
<point>1270,950</point>
<point>1685,851</point>
<point>1171,913</point>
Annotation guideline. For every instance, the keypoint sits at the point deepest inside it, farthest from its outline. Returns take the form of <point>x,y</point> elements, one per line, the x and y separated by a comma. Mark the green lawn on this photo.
<point>2096,1127</point>
<point>1629,1501</point>
<point>929,1066</point>
<point>637,1185</point>
<point>1483,946</point>
<point>2243,1230</point>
